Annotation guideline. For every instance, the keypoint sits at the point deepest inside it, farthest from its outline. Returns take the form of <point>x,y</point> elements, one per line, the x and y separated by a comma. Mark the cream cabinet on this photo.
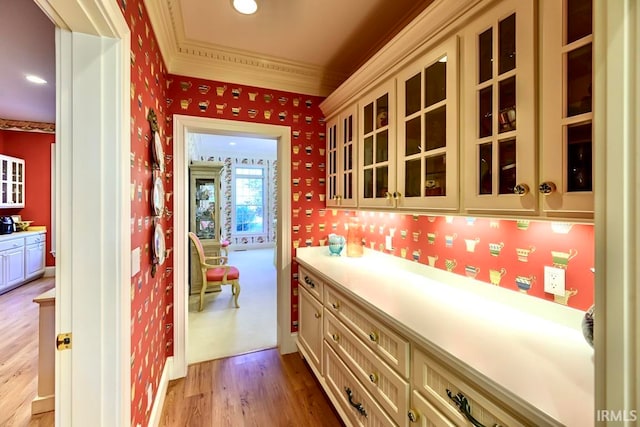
<point>341,159</point>
<point>499,114</point>
<point>427,143</point>
<point>377,148</point>
<point>204,215</point>
<point>566,175</point>
<point>34,257</point>
<point>12,182</point>
<point>310,318</point>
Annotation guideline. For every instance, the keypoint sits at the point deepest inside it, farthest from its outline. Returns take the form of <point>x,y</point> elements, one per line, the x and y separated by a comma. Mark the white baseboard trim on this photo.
<point>49,271</point>
<point>161,393</point>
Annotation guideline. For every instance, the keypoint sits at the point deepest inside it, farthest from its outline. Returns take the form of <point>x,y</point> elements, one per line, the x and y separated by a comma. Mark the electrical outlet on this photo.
<point>554,280</point>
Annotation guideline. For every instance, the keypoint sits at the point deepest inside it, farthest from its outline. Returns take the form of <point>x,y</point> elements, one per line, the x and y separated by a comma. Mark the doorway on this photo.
<point>247,210</point>
<point>184,125</point>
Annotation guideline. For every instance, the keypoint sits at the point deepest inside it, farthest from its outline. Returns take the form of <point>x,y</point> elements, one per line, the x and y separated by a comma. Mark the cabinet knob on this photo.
<point>373,377</point>
<point>309,282</point>
<point>335,337</point>
<point>547,187</point>
<point>396,195</point>
<point>373,336</point>
<point>521,189</point>
<point>413,415</point>
<point>388,196</point>
<point>335,305</point>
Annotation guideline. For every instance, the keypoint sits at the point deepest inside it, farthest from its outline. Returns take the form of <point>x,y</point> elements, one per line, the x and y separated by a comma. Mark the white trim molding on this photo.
<point>617,210</point>
<point>183,125</point>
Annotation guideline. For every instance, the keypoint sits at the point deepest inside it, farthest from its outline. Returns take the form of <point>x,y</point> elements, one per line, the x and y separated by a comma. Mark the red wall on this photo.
<point>35,149</point>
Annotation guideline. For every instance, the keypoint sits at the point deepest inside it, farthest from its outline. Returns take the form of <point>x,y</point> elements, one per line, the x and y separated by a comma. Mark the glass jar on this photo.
<point>354,238</point>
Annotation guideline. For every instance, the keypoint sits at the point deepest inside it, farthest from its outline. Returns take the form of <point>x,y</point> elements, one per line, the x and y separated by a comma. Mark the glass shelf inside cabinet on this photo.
<point>205,208</point>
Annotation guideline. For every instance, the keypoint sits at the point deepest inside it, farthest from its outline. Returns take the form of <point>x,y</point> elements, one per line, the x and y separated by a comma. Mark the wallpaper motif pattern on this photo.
<point>151,296</point>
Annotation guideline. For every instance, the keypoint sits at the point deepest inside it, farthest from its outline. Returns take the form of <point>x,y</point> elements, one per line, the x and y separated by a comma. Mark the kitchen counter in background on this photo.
<point>532,349</point>
<point>18,234</point>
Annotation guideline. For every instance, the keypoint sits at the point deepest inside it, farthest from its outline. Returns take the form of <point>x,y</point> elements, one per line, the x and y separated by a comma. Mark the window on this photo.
<point>249,200</point>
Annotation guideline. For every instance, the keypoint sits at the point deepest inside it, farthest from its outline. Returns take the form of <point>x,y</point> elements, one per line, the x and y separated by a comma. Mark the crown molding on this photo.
<point>188,58</point>
<point>441,18</point>
<point>26,126</point>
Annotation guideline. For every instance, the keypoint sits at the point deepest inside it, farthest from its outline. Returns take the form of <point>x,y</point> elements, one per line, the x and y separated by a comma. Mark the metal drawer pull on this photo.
<point>335,337</point>
<point>309,282</point>
<point>547,187</point>
<point>413,415</point>
<point>318,315</point>
<point>521,189</point>
<point>358,406</point>
<point>373,377</point>
<point>373,336</point>
<point>335,305</point>
<point>463,404</point>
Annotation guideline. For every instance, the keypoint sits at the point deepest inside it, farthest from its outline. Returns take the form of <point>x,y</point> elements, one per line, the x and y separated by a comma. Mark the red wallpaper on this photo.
<point>35,149</point>
<point>197,97</point>
<point>151,295</point>
<point>507,253</point>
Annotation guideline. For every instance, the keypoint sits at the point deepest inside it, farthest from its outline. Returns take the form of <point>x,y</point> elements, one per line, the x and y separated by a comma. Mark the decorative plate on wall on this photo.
<point>158,151</point>
<point>159,244</point>
<point>157,198</point>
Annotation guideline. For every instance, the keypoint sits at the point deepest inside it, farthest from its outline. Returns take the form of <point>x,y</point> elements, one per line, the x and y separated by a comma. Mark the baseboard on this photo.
<point>288,344</point>
<point>161,393</point>
<point>49,271</point>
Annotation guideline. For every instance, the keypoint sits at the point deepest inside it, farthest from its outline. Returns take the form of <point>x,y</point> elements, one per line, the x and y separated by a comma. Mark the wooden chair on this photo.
<point>215,271</point>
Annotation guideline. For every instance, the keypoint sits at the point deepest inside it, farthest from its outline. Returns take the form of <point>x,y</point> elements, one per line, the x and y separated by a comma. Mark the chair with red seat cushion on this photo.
<point>215,271</point>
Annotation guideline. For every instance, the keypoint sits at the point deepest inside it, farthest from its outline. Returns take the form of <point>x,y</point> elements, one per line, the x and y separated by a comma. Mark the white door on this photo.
<point>92,273</point>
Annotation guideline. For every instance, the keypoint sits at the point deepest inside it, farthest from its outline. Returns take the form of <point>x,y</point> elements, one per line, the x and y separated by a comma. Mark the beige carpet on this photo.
<point>221,330</point>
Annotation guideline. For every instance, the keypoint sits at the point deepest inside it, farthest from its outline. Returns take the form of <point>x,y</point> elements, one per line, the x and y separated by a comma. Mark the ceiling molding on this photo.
<point>188,58</point>
<point>440,19</point>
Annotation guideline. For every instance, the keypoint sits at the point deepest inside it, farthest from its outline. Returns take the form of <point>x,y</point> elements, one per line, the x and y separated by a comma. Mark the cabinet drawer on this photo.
<point>389,346</point>
<point>389,389</point>
<point>35,238</point>
<point>350,394</point>
<point>11,244</point>
<point>433,380</point>
<point>425,414</point>
<point>310,282</point>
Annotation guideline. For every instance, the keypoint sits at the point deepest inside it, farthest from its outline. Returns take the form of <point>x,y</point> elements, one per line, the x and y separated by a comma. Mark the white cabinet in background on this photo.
<point>341,159</point>
<point>11,182</point>
<point>22,258</point>
<point>34,257</point>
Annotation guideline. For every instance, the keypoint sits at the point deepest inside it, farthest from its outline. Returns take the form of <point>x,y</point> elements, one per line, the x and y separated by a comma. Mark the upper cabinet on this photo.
<point>11,182</point>
<point>499,131</point>
<point>477,108</point>
<point>377,150</point>
<point>341,159</point>
<point>427,148</point>
<point>566,176</point>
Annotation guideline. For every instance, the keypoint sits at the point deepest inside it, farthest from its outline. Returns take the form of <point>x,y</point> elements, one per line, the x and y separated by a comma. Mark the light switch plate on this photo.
<point>135,261</point>
<point>554,282</point>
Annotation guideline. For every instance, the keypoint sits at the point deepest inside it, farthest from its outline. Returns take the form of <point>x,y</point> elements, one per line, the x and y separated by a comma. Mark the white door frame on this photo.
<point>92,212</point>
<point>182,125</point>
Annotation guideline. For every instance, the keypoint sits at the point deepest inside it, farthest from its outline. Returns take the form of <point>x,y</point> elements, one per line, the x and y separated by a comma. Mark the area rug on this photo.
<point>221,330</point>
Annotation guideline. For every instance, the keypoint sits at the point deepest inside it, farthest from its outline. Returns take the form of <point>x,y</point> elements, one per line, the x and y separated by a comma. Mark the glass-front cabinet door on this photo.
<point>12,182</point>
<point>566,178</point>
<point>341,159</point>
<point>427,156</point>
<point>500,110</point>
<point>377,150</point>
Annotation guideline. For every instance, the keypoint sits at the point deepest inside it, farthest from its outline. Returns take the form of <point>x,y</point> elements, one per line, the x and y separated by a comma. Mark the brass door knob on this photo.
<point>521,189</point>
<point>547,188</point>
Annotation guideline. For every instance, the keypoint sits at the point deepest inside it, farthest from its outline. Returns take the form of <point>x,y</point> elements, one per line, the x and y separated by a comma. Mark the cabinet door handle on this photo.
<point>335,337</point>
<point>358,406</point>
<point>309,282</point>
<point>547,188</point>
<point>335,305</point>
<point>463,404</point>
<point>413,415</point>
<point>317,315</point>
<point>373,336</point>
<point>521,189</point>
<point>373,377</point>
<point>396,195</point>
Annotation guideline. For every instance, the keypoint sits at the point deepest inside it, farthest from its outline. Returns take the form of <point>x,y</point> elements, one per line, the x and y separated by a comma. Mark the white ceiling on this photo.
<point>305,46</point>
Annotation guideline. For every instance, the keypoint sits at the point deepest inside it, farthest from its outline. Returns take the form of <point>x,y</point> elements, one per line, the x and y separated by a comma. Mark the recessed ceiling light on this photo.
<point>246,7</point>
<point>232,143</point>
<point>36,79</point>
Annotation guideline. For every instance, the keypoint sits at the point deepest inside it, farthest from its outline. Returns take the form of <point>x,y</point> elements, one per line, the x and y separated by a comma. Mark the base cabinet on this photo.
<point>34,256</point>
<point>22,258</point>
<point>378,374</point>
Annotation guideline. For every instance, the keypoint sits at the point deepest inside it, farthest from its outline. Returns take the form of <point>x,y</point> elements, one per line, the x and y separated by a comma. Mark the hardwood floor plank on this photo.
<point>251,390</point>
<point>19,355</point>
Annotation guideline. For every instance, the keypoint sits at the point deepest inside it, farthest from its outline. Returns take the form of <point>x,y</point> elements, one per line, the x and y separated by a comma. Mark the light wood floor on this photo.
<point>255,389</point>
<point>19,355</point>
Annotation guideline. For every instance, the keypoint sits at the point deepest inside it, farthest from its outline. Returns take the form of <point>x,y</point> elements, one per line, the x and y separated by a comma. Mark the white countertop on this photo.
<point>18,234</point>
<point>531,347</point>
